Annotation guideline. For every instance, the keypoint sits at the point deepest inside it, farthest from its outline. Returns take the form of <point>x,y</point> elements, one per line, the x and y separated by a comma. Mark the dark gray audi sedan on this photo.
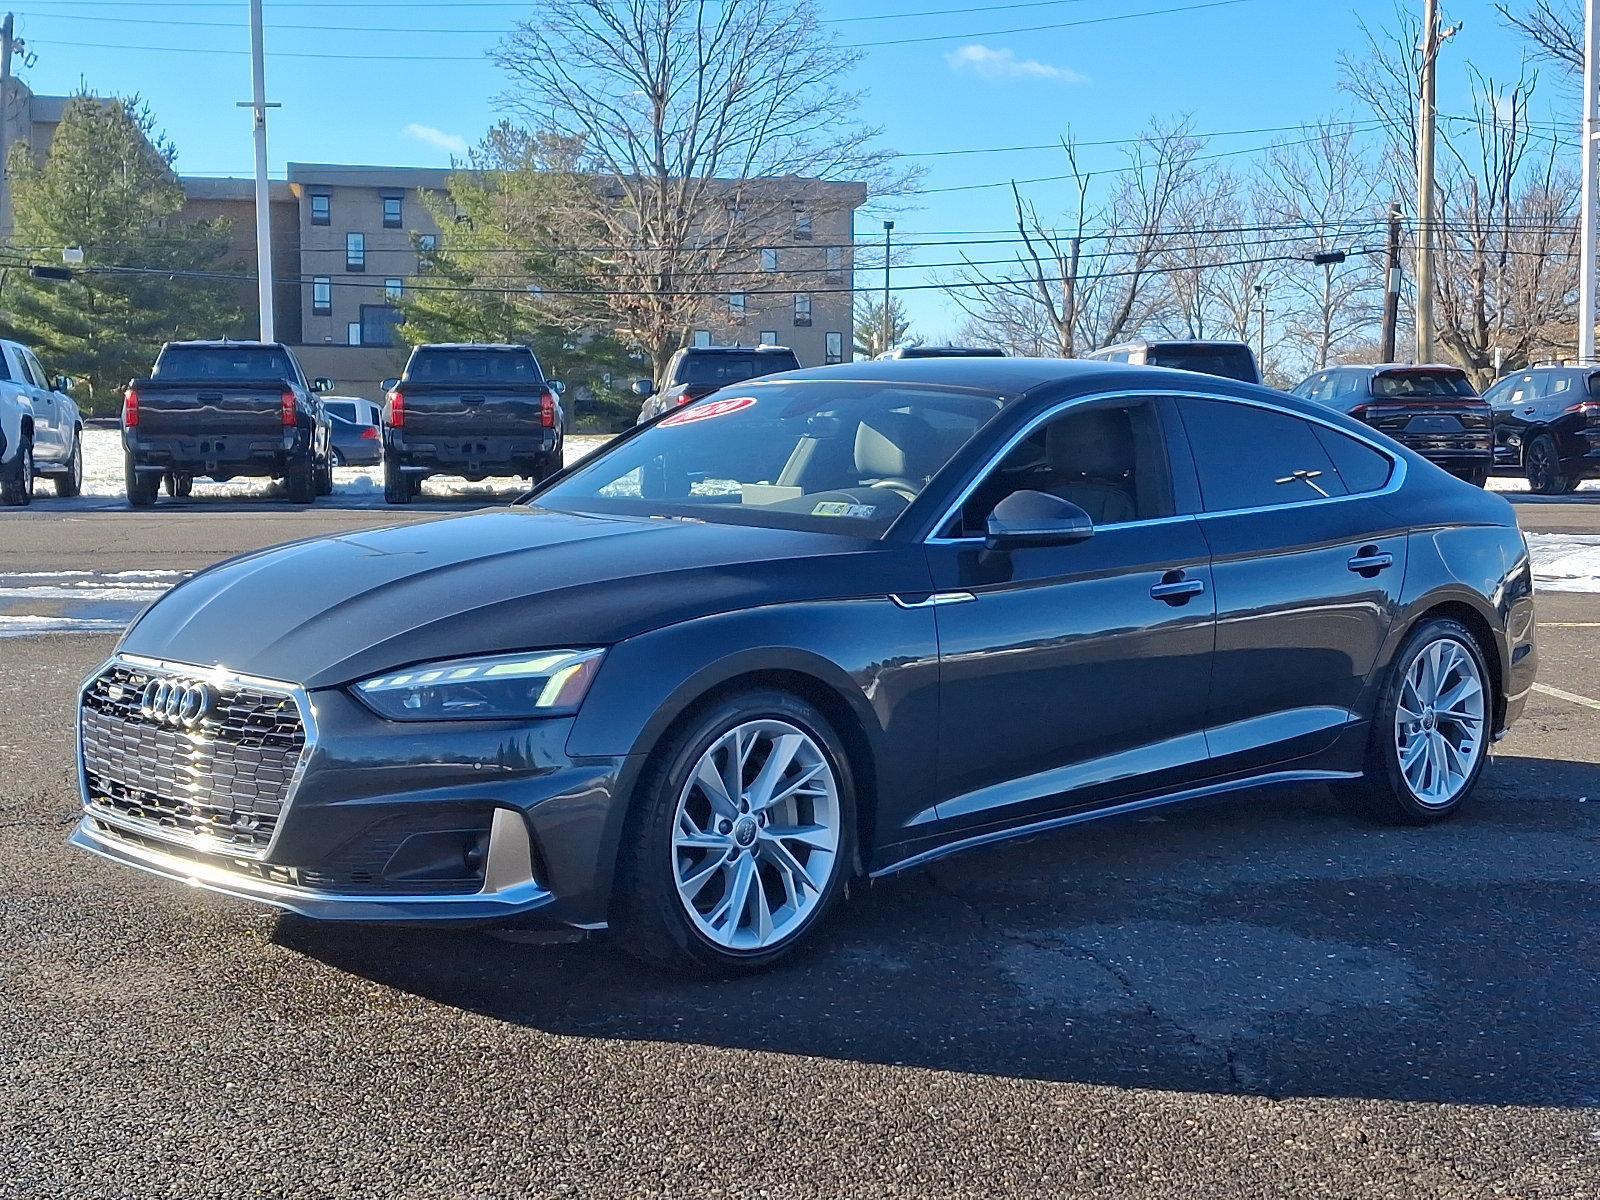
<point>833,624</point>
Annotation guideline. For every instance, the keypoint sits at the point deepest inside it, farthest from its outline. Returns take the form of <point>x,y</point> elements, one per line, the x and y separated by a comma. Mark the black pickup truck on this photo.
<point>224,410</point>
<point>471,410</point>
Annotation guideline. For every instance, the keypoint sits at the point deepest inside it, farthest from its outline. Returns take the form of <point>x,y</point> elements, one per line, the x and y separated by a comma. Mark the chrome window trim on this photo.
<point>222,677</point>
<point>1397,466</point>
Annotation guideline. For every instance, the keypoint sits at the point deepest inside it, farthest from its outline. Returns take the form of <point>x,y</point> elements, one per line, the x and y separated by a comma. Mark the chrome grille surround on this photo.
<point>221,784</point>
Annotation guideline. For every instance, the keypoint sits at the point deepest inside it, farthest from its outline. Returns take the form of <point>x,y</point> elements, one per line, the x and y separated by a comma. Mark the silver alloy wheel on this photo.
<point>756,834</point>
<point>1439,722</point>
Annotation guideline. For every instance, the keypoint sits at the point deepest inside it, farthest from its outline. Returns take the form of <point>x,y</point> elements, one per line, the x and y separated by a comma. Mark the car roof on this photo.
<point>762,349</point>
<point>474,346</point>
<point>1148,343</point>
<point>227,344</point>
<point>1004,376</point>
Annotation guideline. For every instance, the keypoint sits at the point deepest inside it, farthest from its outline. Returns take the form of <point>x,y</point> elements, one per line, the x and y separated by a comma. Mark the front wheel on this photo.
<point>16,481</point>
<point>71,484</point>
<point>1430,734</point>
<point>741,838</point>
<point>1542,462</point>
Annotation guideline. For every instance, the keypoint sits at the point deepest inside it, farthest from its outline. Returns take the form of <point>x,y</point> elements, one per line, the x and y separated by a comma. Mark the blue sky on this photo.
<point>407,83</point>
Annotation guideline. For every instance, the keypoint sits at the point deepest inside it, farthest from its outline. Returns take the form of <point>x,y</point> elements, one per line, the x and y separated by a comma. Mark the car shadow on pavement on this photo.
<point>1276,945</point>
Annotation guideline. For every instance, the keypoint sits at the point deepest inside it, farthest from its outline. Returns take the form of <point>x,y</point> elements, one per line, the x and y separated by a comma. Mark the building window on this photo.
<point>769,337</point>
<point>802,223</point>
<point>835,347</point>
<point>702,338</point>
<point>321,296</point>
<point>393,289</point>
<point>378,323</point>
<point>736,304</point>
<point>321,208</point>
<point>392,217</point>
<point>802,309</point>
<point>352,333</point>
<point>769,260</point>
<point>355,252</point>
<point>833,263</point>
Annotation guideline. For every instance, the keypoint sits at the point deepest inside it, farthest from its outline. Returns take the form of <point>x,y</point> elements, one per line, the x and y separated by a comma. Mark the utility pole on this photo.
<point>1391,286</point>
<point>7,29</point>
<point>1427,120</point>
<point>888,320</point>
<point>259,106</point>
<point>1591,184</point>
<point>1261,358</point>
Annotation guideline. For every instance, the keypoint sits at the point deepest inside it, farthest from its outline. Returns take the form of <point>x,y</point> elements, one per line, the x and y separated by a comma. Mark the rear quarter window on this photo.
<point>1252,457</point>
<point>1362,468</point>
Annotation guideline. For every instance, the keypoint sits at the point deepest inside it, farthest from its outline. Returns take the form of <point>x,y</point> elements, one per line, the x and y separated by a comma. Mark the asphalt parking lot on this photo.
<point>1263,997</point>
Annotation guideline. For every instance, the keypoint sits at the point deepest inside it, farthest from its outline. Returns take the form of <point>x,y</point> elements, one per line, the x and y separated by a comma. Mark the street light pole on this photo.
<point>1261,296</point>
<point>259,106</point>
<point>1590,232</point>
<point>888,321</point>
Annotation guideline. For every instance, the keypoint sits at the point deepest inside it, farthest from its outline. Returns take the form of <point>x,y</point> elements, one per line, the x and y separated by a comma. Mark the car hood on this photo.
<point>334,609</point>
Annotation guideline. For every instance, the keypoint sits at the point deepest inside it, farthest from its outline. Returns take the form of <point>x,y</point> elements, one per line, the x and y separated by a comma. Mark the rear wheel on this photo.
<point>300,481</point>
<point>1430,734</point>
<point>177,484</point>
<point>325,478</point>
<point>741,837</point>
<point>1476,476</point>
<point>398,487</point>
<point>141,486</point>
<point>16,481</point>
<point>71,484</point>
<point>1542,462</point>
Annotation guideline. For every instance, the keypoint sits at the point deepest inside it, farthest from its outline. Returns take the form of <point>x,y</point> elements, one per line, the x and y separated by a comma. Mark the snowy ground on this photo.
<point>102,475</point>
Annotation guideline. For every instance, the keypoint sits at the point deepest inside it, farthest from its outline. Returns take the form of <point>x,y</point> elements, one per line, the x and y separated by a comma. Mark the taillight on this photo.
<point>1359,412</point>
<point>130,409</point>
<point>1589,410</point>
<point>395,412</point>
<point>687,398</point>
<point>288,410</point>
<point>370,433</point>
<point>547,410</point>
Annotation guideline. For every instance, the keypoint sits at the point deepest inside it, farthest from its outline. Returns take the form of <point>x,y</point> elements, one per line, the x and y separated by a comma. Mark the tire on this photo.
<point>141,486</point>
<point>1476,476</point>
<point>300,481</point>
<point>788,884</point>
<point>338,459</point>
<point>1573,483</point>
<point>324,474</point>
<point>71,484</point>
<point>398,487</point>
<point>1390,790</point>
<point>177,484</point>
<point>16,481</point>
<point>1542,463</point>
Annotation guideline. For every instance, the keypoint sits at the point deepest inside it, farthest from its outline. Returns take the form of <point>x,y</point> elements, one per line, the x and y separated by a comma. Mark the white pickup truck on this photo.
<point>41,430</point>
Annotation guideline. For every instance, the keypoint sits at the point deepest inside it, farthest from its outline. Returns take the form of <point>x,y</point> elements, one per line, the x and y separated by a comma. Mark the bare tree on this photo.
<point>707,132</point>
<point>1555,27</point>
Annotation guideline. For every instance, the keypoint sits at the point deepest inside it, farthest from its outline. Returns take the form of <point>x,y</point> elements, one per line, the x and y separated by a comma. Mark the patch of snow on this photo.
<point>32,626</point>
<point>1565,562</point>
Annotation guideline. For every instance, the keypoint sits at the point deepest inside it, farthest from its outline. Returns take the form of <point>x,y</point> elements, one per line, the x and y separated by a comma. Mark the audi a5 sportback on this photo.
<point>837,623</point>
<point>1435,410</point>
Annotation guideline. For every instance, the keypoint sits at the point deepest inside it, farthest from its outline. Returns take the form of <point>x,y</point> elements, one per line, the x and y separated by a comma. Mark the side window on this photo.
<point>1523,390</point>
<point>1558,384</point>
<point>1361,468</point>
<point>1252,457</point>
<point>1349,383</point>
<point>1307,388</point>
<point>32,369</point>
<point>1110,460</point>
<point>5,365</point>
<point>1497,393</point>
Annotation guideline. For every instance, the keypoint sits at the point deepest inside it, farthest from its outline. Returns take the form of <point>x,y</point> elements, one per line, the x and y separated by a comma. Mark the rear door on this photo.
<point>48,443</point>
<point>1307,560</point>
<point>1073,675</point>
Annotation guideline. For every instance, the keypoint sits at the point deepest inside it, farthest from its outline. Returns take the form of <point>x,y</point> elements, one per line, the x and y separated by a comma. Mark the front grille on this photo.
<point>224,781</point>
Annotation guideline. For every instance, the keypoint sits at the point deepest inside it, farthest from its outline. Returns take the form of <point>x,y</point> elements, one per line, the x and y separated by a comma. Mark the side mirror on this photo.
<point>644,388</point>
<point>62,384</point>
<point>556,386</point>
<point>1037,519</point>
<point>321,384</point>
<point>389,385</point>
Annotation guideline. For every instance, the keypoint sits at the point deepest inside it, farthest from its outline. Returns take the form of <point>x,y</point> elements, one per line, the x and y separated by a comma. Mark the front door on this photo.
<point>1073,675</point>
<point>1307,558</point>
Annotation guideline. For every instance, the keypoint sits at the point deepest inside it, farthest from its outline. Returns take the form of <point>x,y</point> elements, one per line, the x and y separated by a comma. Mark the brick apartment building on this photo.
<point>345,241</point>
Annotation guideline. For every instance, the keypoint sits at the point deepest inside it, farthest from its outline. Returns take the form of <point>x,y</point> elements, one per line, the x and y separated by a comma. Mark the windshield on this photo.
<point>838,456</point>
<point>439,365</point>
<point>223,362</point>
<point>1401,384</point>
<point>716,370</point>
<point>1228,362</point>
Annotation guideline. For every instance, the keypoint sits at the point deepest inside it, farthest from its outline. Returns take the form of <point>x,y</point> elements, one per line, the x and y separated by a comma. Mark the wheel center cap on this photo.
<point>744,831</point>
<point>1429,720</point>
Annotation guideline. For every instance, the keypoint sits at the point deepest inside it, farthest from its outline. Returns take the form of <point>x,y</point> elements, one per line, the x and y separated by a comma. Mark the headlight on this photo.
<point>539,683</point>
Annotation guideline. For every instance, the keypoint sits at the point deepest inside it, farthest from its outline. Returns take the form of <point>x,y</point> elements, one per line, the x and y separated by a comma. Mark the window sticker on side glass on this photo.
<point>838,508</point>
<point>704,412</point>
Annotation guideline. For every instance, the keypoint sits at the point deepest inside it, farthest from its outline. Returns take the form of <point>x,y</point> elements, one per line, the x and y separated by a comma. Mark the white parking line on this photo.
<point>1570,697</point>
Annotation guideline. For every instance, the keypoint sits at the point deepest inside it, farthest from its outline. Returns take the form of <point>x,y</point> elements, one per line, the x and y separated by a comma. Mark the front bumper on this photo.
<point>466,821</point>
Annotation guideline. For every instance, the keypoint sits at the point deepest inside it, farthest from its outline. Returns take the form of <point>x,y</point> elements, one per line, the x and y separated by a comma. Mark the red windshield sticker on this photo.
<point>711,408</point>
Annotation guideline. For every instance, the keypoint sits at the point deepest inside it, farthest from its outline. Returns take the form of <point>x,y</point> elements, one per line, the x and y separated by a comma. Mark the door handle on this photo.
<point>1369,565</point>
<point>1176,590</point>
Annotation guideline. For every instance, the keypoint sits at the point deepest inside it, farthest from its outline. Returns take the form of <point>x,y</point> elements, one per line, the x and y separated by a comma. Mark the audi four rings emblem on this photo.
<point>175,702</point>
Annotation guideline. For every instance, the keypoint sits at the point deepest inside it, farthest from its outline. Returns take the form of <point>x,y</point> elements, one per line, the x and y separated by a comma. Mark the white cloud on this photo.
<point>990,63</point>
<point>454,143</point>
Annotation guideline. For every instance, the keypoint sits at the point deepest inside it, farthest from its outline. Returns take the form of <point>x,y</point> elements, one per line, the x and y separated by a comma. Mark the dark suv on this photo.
<point>1547,426</point>
<point>1433,410</point>
<point>697,371</point>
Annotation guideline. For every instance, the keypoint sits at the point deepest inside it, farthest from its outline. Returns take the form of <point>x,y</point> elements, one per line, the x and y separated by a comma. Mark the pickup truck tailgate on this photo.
<point>449,411</point>
<point>174,408</point>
